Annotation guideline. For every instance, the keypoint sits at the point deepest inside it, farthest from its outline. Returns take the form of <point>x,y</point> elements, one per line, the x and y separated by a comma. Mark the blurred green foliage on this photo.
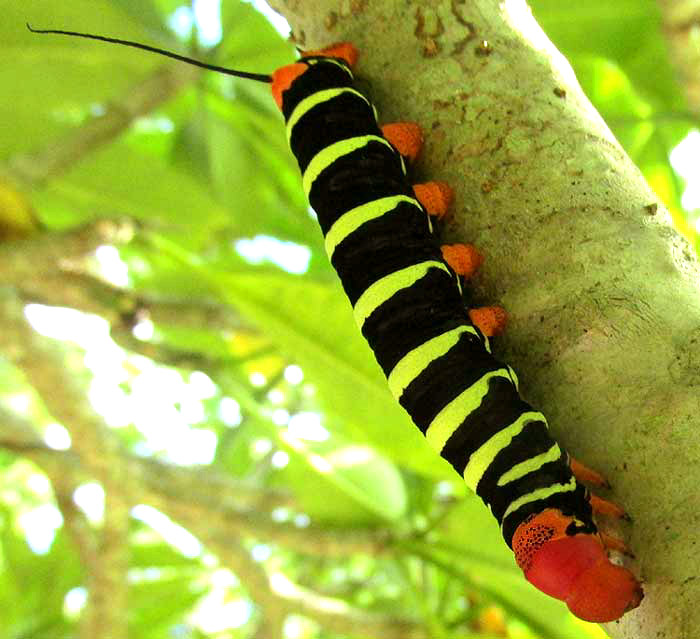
<point>619,55</point>
<point>219,149</point>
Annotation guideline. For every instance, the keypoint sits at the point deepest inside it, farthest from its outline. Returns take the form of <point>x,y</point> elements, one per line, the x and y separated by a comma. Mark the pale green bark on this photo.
<point>602,292</point>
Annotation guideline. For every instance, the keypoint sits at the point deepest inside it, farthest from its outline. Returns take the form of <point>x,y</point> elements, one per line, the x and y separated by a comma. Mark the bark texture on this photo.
<point>603,293</point>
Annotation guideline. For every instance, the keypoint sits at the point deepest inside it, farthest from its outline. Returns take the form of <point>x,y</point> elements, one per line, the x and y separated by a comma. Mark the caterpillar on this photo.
<point>405,290</point>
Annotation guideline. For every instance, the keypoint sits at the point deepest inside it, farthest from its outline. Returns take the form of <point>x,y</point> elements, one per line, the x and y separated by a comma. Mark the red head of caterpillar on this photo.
<point>406,295</point>
<point>574,568</point>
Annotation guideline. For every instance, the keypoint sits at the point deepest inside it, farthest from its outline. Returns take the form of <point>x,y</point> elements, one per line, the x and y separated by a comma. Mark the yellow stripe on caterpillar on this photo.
<point>327,156</point>
<point>315,99</point>
<point>530,465</point>
<point>483,457</point>
<point>514,377</point>
<point>416,361</point>
<point>540,493</point>
<point>355,218</point>
<point>384,289</point>
<point>342,65</point>
<point>452,415</point>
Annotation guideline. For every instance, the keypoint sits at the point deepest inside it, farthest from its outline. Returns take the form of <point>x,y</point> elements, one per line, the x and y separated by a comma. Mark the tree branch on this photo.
<point>201,499</point>
<point>218,524</point>
<point>33,169</point>
<point>106,612</point>
<point>603,296</point>
<point>26,262</point>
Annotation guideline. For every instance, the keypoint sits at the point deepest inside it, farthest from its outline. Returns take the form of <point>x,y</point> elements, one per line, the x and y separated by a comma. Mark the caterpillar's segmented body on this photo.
<point>408,306</point>
<point>406,297</point>
<point>407,302</point>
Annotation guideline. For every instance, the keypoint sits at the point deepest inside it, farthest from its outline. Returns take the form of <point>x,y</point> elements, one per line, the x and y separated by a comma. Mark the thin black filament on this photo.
<point>258,77</point>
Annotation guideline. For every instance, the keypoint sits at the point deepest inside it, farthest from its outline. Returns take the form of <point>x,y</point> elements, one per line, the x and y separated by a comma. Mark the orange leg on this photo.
<point>585,474</point>
<point>599,505</point>
<point>406,137</point>
<point>464,259</point>
<point>604,507</point>
<point>435,197</point>
<point>490,320</point>
<point>613,543</point>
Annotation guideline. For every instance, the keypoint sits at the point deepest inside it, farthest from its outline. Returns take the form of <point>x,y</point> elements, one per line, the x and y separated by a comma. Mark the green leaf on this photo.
<point>147,189</point>
<point>313,323</point>
<point>54,80</point>
<point>250,43</point>
<point>339,466</point>
<point>33,587</point>
<point>175,597</point>
<point>627,32</point>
